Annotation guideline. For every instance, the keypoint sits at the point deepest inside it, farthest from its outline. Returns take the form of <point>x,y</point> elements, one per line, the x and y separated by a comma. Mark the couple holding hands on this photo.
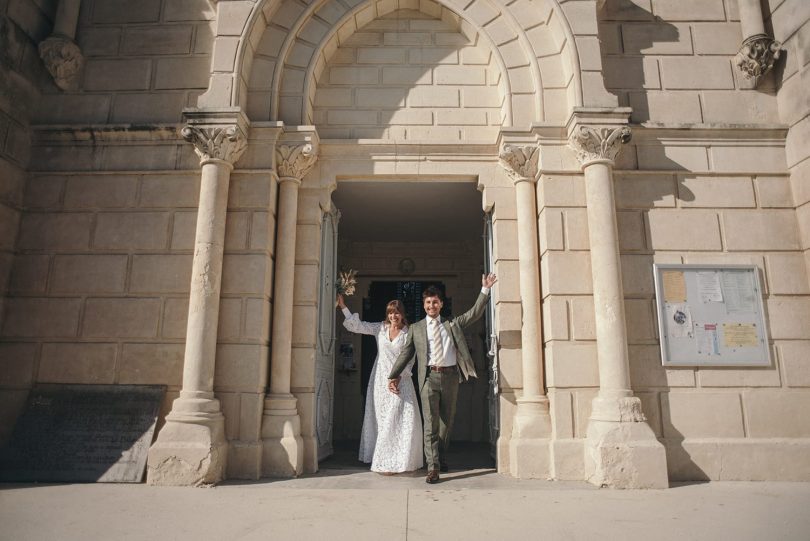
<point>391,439</point>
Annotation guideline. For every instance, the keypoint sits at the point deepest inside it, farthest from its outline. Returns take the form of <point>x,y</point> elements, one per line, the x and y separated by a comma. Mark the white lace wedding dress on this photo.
<point>391,438</point>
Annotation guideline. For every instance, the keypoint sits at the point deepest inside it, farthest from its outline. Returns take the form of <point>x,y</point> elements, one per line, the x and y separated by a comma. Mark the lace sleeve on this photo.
<point>353,324</point>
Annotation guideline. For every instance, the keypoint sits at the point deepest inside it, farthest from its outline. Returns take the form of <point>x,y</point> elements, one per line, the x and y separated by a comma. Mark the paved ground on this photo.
<point>358,505</point>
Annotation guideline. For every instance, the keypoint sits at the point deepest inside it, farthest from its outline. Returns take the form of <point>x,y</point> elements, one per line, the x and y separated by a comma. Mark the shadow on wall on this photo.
<point>629,32</point>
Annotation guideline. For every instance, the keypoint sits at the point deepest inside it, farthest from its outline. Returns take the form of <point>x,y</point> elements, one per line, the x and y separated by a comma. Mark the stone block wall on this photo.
<point>790,21</point>
<point>98,291</point>
<point>673,62</point>
<point>144,62</point>
<point>687,200</point>
<point>410,76</point>
<point>23,24</point>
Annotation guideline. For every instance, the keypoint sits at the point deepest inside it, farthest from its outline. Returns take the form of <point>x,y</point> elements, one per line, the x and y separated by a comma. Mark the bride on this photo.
<point>392,429</point>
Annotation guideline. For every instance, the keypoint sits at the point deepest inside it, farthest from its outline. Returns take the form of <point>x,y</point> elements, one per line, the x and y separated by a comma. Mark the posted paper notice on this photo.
<point>737,335</point>
<point>674,283</point>
<point>680,320</point>
<point>709,287</point>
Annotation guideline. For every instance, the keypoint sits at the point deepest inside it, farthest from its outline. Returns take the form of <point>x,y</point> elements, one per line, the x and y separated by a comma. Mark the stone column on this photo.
<point>758,51</point>
<point>529,451</point>
<point>191,449</point>
<point>59,51</point>
<point>621,450</point>
<point>283,454</point>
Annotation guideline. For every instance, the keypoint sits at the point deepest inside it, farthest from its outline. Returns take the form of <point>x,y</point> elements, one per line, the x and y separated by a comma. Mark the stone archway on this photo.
<point>535,40</point>
<point>273,60</point>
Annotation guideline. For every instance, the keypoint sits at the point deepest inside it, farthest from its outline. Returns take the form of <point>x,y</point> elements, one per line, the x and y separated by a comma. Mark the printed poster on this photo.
<point>674,283</point>
<point>737,335</point>
<point>707,341</point>
<point>709,289</point>
<point>680,320</point>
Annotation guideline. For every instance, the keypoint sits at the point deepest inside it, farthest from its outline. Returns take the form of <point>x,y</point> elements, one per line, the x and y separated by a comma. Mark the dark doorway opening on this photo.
<point>402,237</point>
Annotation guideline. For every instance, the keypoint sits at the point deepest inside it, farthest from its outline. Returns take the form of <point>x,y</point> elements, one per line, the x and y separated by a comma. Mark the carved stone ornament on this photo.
<point>224,143</point>
<point>295,161</point>
<point>64,61</point>
<point>757,56</point>
<point>592,144</point>
<point>520,161</point>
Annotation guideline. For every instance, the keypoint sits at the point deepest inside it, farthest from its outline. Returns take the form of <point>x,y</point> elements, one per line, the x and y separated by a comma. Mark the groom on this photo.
<point>444,359</point>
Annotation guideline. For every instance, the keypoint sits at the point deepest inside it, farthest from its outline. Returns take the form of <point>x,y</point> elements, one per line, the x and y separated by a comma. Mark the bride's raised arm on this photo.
<point>352,322</point>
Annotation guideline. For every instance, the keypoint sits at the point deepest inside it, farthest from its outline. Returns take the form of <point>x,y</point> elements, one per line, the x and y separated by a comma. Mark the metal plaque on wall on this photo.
<point>83,433</point>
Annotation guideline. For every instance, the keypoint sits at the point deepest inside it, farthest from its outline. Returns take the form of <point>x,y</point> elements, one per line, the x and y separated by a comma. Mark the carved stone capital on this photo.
<point>520,161</point>
<point>225,143</point>
<point>598,144</point>
<point>295,161</point>
<point>64,61</point>
<point>757,56</point>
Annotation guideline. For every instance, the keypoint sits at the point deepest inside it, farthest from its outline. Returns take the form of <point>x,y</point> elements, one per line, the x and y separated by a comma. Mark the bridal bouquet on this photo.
<point>347,281</point>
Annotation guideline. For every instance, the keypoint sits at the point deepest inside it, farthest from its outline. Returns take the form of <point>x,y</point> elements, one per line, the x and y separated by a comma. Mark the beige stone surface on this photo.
<point>690,414</point>
<point>77,363</point>
<point>121,317</point>
<point>73,274</point>
<point>772,414</point>
<point>151,364</point>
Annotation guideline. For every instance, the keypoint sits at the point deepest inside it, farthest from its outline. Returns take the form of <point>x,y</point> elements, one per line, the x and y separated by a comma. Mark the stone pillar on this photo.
<point>621,450</point>
<point>59,52</point>
<point>529,451</point>
<point>758,51</point>
<point>283,453</point>
<point>191,448</point>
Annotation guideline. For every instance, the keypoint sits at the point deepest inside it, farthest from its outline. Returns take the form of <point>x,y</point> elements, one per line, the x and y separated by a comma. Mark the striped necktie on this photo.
<point>436,349</point>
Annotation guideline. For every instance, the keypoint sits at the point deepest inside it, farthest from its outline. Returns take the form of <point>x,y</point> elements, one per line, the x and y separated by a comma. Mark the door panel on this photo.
<point>325,343</point>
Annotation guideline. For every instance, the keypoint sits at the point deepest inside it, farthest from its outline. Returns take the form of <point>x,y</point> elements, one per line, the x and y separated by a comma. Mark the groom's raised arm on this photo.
<point>407,353</point>
<point>474,314</point>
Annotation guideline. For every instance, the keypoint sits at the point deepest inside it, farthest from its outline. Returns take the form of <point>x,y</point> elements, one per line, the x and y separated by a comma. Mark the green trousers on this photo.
<point>439,395</point>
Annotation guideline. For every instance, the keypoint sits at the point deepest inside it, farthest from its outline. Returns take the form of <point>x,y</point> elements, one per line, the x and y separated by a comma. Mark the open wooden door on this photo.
<point>325,348</point>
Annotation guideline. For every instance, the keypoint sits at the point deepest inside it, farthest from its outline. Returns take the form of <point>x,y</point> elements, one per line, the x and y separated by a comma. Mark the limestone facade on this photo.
<point>105,208</point>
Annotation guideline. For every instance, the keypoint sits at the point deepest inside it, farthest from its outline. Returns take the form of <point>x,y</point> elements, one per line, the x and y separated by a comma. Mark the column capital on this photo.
<point>217,134</point>
<point>64,61</point>
<point>598,144</point>
<point>216,143</point>
<point>520,161</point>
<point>295,160</point>
<point>757,56</point>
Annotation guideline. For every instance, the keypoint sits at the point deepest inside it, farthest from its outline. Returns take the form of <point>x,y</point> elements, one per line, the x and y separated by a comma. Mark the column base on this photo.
<point>282,445</point>
<point>529,447</point>
<point>245,460</point>
<point>623,451</point>
<point>191,449</point>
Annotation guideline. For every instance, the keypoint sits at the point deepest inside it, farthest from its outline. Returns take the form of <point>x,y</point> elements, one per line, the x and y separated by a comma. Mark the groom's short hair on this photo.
<point>432,291</point>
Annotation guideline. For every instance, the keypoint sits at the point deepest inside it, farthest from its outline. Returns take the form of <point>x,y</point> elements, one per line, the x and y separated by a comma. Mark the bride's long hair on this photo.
<point>396,306</point>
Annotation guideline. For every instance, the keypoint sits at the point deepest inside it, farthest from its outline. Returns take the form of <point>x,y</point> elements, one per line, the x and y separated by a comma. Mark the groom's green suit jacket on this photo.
<point>416,343</point>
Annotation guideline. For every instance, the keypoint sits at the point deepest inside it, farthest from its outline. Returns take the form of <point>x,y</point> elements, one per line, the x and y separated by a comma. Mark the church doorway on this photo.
<point>401,237</point>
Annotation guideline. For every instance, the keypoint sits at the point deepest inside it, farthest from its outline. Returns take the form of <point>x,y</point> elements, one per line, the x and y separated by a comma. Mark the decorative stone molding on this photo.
<point>64,61</point>
<point>295,161</point>
<point>520,161</point>
<point>598,144</point>
<point>222,143</point>
<point>757,56</point>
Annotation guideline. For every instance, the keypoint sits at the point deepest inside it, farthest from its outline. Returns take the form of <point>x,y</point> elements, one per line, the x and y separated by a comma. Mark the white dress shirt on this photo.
<point>447,341</point>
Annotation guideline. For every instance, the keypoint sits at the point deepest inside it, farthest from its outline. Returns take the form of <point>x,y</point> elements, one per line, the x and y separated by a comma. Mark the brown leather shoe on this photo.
<point>432,477</point>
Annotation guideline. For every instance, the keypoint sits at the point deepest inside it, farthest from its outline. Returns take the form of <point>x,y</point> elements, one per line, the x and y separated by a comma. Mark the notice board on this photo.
<point>711,315</point>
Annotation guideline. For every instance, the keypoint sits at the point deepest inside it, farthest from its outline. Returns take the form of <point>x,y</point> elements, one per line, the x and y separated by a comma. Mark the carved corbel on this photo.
<point>757,55</point>
<point>520,161</point>
<point>598,144</point>
<point>64,61</point>
<point>59,52</point>
<point>295,161</point>
<point>216,143</point>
